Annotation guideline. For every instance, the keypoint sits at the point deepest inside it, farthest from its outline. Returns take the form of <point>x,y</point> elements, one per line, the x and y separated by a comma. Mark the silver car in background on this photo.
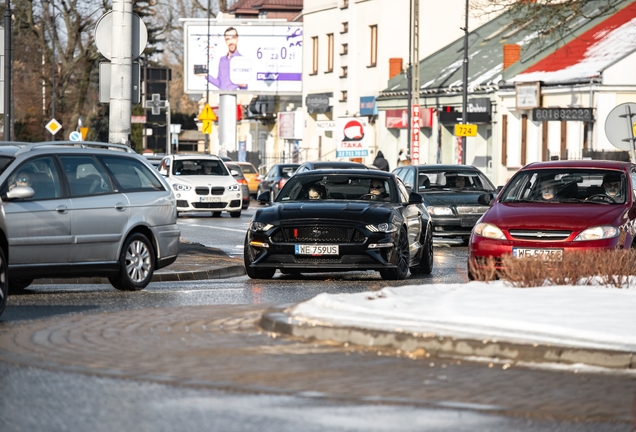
<point>79,209</point>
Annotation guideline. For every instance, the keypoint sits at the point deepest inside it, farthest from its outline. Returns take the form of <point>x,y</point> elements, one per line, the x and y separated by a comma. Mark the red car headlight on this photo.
<point>489,231</point>
<point>597,233</point>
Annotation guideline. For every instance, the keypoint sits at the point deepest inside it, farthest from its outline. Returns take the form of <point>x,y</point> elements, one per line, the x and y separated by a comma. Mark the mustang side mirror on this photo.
<point>263,198</point>
<point>415,198</point>
<point>486,199</point>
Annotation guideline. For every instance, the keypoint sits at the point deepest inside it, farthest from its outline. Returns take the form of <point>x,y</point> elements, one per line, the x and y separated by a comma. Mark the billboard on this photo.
<point>353,140</point>
<point>244,56</point>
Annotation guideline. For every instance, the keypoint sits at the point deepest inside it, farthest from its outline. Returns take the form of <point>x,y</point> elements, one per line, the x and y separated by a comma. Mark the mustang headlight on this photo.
<point>234,188</point>
<point>179,187</point>
<point>383,228</point>
<point>440,211</point>
<point>489,231</point>
<point>261,226</point>
<point>597,233</point>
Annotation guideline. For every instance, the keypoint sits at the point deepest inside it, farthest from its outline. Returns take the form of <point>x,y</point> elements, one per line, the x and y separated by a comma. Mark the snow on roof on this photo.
<point>588,55</point>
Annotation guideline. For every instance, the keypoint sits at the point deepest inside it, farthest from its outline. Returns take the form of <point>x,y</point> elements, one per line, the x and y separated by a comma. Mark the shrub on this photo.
<point>615,268</point>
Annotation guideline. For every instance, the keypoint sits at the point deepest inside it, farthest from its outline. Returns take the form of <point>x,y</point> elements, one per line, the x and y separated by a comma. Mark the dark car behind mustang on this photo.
<point>347,229</point>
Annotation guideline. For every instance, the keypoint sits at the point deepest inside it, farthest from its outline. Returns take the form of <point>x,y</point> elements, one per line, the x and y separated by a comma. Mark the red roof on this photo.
<point>592,52</point>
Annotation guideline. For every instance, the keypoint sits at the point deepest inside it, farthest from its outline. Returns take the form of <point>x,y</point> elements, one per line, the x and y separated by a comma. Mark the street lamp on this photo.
<point>465,85</point>
<point>52,17</point>
<point>7,70</point>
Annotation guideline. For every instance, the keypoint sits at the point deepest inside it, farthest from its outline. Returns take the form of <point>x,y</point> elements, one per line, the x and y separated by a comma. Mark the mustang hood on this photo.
<point>322,210</point>
<point>559,217</point>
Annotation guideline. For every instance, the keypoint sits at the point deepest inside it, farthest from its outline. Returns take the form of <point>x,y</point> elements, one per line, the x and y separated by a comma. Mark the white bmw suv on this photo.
<point>202,183</point>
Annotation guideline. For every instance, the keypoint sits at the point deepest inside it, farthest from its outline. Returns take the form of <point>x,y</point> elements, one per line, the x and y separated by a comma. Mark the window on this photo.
<point>41,175</point>
<point>343,73</point>
<point>373,60</point>
<point>345,49</point>
<point>344,27</point>
<point>314,55</point>
<point>85,176</point>
<point>343,96</point>
<point>131,174</point>
<point>329,53</point>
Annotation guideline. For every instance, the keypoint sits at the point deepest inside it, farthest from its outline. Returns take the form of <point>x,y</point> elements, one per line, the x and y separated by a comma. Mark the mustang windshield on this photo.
<point>591,186</point>
<point>338,187</point>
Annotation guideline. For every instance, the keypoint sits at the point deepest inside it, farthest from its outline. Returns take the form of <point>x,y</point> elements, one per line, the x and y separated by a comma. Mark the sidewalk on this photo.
<point>195,262</point>
<point>568,325</point>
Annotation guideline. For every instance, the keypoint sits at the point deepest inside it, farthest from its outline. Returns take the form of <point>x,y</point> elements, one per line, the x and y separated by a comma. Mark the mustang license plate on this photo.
<point>210,199</point>
<point>544,254</point>
<point>317,250</point>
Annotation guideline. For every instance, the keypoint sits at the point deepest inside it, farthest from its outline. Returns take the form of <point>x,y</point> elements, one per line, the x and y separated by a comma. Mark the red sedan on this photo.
<point>551,208</point>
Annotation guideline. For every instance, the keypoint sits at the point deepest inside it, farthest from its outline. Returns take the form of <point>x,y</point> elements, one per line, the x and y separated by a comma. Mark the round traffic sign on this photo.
<point>75,136</point>
<point>619,125</point>
<point>104,35</point>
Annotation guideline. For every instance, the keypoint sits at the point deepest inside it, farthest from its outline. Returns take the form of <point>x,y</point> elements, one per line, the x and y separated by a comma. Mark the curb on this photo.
<point>276,320</point>
<point>167,276</point>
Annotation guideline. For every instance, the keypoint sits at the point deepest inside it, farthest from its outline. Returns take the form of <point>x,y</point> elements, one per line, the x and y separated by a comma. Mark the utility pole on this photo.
<point>413,74</point>
<point>207,82</point>
<point>7,69</point>
<point>121,73</point>
<point>465,85</point>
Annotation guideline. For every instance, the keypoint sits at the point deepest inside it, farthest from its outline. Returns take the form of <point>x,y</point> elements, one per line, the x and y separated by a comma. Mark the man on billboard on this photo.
<point>223,79</point>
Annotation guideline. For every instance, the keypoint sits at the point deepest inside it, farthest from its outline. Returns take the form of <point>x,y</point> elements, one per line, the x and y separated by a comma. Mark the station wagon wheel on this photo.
<point>17,286</point>
<point>248,259</point>
<point>425,265</point>
<point>136,264</point>
<point>401,259</point>
<point>4,281</point>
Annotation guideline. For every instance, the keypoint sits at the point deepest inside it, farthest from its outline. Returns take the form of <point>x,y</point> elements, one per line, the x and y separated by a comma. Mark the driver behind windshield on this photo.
<point>612,185</point>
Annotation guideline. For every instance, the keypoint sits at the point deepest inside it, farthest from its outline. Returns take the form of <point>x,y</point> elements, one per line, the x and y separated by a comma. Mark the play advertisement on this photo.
<point>265,57</point>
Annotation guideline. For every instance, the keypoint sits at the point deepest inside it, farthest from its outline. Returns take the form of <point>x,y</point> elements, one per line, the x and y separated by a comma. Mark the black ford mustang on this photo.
<point>340,220</point>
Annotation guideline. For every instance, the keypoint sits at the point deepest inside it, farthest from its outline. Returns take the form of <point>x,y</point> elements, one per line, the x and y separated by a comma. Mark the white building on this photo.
<point>351,49</point>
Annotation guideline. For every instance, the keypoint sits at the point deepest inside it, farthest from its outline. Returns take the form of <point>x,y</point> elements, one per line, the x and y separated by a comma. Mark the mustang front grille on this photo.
<point>547,235</point>
<point>318,234</point>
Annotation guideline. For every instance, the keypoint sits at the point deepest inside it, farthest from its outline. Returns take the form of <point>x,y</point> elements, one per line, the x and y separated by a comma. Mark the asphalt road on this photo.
<point>67,348</point>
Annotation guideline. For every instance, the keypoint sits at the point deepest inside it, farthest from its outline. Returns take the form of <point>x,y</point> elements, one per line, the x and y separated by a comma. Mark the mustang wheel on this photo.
<point>248,259</point>
<point>17,286</point>
<point>136,264</point>
<point>425,265</point>
<point>401,258</point>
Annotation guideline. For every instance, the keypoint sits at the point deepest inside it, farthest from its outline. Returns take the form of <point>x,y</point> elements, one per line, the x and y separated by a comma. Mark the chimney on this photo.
<point>511,54</point>
<point>395,67</point>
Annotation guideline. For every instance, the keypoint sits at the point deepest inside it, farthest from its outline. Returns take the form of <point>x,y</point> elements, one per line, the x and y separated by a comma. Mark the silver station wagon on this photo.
<point>80,209</point>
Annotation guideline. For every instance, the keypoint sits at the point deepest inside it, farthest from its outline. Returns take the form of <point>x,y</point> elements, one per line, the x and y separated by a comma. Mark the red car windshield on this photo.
<point>591,186</point>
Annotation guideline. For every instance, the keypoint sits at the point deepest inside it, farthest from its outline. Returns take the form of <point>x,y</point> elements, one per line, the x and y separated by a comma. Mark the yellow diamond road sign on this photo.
<point>207,114</point>
<point>53,126</point>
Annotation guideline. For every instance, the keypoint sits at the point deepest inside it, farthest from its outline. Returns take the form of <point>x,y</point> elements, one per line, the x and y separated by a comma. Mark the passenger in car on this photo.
<point>316,192</point>
<point>21,179</point>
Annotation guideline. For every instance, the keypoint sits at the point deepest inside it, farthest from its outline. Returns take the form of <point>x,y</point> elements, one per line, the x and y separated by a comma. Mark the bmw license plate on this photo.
<point>317,250</point>
<point>210,199</point>
<point>544,254</point>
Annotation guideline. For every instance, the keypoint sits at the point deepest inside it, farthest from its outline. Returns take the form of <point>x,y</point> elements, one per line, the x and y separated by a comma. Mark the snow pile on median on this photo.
<point>596,317</point>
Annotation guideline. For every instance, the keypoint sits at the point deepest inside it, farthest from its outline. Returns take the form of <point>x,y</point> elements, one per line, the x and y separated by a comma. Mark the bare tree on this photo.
<point>555,18</point>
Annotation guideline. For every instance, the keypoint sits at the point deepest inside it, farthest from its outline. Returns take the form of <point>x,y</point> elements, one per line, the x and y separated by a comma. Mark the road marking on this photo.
<point>218,228</point>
